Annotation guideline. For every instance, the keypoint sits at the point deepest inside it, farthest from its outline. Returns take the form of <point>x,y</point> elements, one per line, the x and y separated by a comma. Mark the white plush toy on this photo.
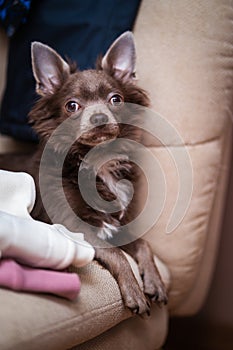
<point>33,242</point>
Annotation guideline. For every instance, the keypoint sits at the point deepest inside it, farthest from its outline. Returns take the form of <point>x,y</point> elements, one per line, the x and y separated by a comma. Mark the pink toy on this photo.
<point>22,278</point>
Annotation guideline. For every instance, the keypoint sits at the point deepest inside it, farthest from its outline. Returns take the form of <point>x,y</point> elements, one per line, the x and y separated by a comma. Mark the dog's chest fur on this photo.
<point>110,188</point>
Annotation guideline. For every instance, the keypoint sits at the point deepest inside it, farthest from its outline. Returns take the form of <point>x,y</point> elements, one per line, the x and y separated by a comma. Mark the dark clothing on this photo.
<point>79,29</point>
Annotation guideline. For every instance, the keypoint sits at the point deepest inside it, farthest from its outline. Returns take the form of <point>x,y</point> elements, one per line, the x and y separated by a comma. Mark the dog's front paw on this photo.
<point>132,295</point>
<point>154,288</point>
<point>153,285</point>
<point>135,299</point>
<point>156,292</point>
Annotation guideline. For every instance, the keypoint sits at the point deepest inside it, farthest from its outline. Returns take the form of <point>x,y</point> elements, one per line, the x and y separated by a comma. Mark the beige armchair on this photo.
<point>185,57</point>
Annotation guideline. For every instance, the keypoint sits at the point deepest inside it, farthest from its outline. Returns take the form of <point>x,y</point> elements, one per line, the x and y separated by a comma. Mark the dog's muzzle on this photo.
<point>98,125</point>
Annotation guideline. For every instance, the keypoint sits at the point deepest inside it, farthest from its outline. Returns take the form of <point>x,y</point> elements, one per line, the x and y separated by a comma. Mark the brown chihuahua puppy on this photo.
<point>95,104</point>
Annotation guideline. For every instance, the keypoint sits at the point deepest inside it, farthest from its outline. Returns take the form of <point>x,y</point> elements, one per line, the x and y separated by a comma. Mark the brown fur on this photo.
<point>93,87</point>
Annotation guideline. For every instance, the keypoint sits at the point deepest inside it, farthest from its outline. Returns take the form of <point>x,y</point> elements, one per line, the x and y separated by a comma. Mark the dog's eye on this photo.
<point>72,106</point>
<point>116,100</point>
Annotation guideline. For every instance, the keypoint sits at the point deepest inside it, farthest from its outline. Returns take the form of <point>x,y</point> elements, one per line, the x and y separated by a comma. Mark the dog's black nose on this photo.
<point>99,119</point>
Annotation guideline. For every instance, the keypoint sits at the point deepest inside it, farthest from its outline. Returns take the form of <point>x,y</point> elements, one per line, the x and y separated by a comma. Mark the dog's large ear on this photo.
<point>49,68</point>
<point>120,58</point>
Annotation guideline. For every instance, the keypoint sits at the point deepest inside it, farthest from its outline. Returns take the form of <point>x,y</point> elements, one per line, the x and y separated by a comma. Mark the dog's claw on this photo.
<point>135,311</point>
<point>154,287</point>
<point>137,302</point>
<point>159,297</point>
<point>146,315</point>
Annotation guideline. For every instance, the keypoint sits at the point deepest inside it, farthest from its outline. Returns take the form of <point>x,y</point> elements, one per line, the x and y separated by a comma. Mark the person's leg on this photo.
<point>78,29</point>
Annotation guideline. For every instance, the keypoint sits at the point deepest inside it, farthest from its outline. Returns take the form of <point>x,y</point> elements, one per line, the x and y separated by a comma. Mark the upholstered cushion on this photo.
<point>185,57</point>
<point>35,322</point>
<point>134,333</point>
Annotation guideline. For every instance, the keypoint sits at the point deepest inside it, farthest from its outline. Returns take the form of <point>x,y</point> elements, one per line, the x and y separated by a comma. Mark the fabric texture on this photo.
<point>134,333</point>
<point>80,30</point>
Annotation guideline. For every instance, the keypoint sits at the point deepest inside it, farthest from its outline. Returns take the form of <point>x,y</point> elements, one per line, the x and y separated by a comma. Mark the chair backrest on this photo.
<point>185,58</point>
